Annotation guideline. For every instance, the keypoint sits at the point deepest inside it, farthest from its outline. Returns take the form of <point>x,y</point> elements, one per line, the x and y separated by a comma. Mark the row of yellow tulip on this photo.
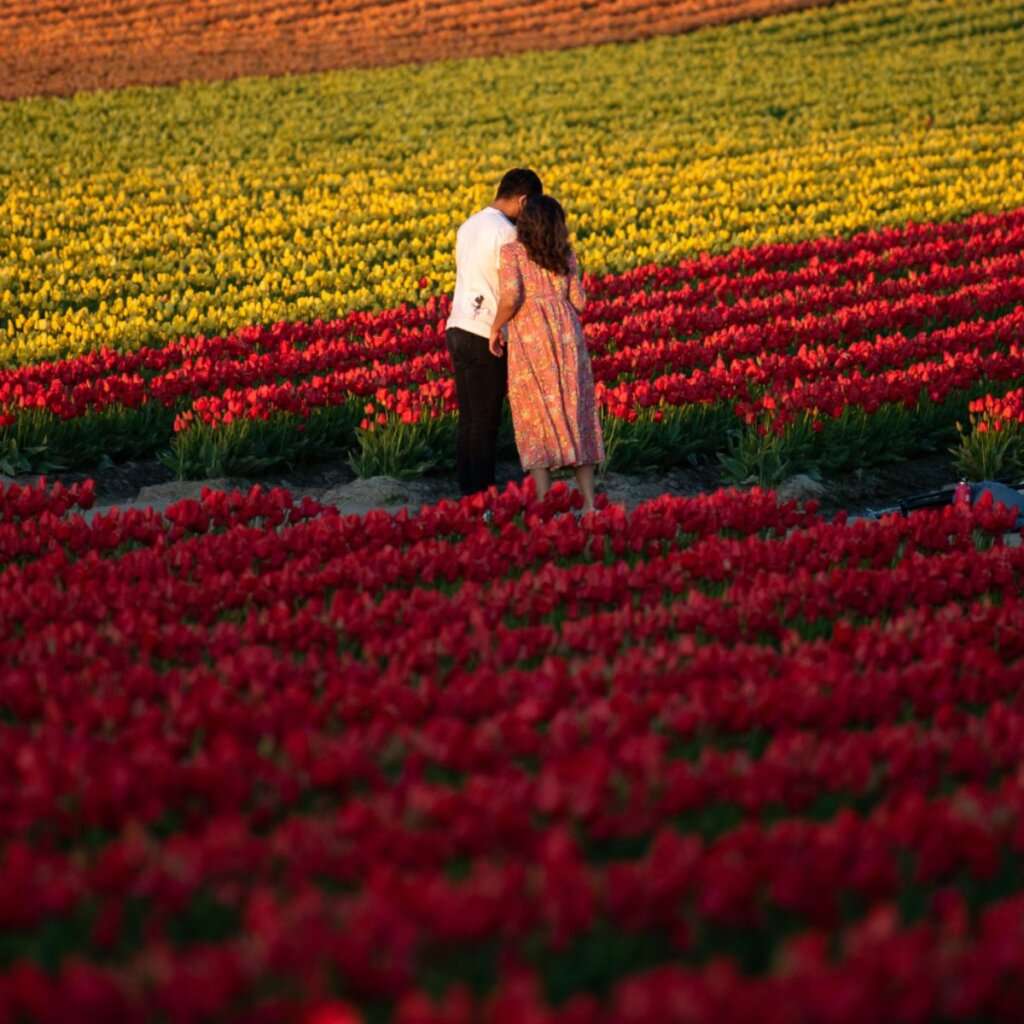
<point>133,216</point>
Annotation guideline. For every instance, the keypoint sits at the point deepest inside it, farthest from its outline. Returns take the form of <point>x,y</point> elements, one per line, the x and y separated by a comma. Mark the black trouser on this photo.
<point>481,381</point>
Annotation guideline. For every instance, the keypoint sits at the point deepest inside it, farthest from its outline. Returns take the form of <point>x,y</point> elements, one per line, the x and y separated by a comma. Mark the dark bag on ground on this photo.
<point>1001,495</point>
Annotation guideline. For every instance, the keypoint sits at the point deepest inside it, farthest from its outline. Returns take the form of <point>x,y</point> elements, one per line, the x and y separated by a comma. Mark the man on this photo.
<point>481,378</point>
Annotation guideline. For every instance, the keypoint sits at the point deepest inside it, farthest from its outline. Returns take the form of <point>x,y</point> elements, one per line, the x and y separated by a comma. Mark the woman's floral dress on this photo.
<point>550,383</point>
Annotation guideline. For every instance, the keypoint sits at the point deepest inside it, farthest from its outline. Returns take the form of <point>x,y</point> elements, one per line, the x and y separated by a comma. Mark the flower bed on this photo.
<point>993,444</point>
<point>824,354</point>
<point>136,216</point>
<point>263,760</point>
<point>95,45</point>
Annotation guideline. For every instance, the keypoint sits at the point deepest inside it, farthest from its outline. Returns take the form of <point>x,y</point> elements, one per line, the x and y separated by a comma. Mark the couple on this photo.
<point>515,327</point>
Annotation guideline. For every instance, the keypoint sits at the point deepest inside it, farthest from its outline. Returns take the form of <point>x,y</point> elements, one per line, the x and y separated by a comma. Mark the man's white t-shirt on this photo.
<point>477,244</point>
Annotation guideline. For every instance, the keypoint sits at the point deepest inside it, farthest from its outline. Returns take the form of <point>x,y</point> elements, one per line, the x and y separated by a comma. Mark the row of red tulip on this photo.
<point>622,343</point>
<point>257,753</point>
<point>959,371</point>
<point>798,309</point>
<point>68,782</point>
<point>743,273</point>
<point>808,355</point>
<point>29,503</point>
<point>875,371</point>
<point>949,966</point>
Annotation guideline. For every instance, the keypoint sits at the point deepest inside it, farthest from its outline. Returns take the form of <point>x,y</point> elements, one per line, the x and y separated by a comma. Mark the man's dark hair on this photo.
<point>520,181</point>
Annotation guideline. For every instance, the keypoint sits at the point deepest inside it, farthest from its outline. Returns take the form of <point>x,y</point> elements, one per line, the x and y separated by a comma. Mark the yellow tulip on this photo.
<point>828,121</point>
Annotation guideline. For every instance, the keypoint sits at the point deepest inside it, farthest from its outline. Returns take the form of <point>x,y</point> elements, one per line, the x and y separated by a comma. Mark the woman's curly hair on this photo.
<point>542,231</point>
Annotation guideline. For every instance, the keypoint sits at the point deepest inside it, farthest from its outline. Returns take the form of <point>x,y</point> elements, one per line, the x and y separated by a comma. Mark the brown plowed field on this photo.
<point>62,46</point>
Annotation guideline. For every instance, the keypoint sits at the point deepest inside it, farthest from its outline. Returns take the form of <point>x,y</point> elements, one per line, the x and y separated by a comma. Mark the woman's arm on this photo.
<point>510,296</point>
<point>577,296</point>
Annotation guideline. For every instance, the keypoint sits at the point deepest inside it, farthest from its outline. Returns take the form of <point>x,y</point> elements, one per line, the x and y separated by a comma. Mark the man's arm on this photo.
<point>510,296</point>
<point>506,310</point>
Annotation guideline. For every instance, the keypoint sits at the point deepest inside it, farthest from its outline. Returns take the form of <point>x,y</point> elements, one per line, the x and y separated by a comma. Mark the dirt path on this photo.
<point>149,484</point>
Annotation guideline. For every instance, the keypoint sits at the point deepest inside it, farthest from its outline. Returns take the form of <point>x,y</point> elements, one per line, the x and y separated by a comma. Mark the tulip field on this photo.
<point>834,353</point>
<point>712,760</point>
<point>788,272</point>
<point>97,44</point>
<point>717,760</point>
<point>827,354</point>
<point>136,216</point>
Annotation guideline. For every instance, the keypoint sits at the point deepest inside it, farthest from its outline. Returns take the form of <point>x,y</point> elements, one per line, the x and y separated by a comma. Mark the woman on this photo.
<point>550,384</point>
